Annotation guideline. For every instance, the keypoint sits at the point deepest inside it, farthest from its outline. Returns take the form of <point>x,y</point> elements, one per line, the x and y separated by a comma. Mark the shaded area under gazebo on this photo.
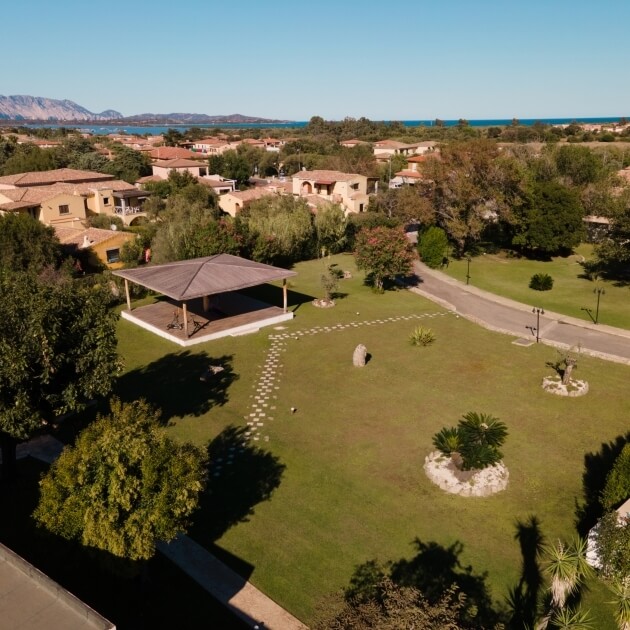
<point>202,301</point>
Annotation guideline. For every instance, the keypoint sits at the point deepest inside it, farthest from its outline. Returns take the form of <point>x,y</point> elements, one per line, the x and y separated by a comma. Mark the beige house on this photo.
<point>384,149</point>
<point>233,202</point>
<point>347,189</point>
<point>411,175</point>
<point>104,245</point>
<point>173,153</point>
<point>212,146</point>
<point>163,168</point>
<point>67,196</point>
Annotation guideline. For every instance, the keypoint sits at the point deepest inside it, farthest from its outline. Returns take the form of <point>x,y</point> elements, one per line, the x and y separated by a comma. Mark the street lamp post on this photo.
<point>468,259</point>
<point>536,329</point>
<point>599,291</point>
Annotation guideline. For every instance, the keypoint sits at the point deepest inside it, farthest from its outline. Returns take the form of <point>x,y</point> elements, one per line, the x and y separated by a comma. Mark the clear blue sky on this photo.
<point>405,59</point>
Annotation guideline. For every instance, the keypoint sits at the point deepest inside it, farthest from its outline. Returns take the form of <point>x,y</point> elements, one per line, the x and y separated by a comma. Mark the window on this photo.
<point>64,209</point>
<point>113,255</point>
<point>106,200</point>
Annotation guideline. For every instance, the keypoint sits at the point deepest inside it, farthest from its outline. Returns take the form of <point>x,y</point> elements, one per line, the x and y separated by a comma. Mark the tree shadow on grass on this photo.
<point>433,570</point>
<point>523,598</point>
<point>172,384</point>
<point>596,469</point>
<point>241,475</point>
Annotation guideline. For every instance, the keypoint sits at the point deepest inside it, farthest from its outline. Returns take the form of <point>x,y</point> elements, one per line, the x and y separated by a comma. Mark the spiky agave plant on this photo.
<point>621,590</point>
<point>568,619</point>
<point>567,567</point>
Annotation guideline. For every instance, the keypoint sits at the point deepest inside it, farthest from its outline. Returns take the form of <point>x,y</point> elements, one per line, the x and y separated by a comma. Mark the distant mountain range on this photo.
<point>40,109</point>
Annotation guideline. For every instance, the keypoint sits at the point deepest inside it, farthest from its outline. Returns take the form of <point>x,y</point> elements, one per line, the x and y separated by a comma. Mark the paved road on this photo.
<point>513,318</point>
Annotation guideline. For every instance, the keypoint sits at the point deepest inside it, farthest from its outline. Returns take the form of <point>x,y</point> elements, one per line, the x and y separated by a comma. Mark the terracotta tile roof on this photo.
<point>411,174</point>
<point>39,194</point>
<point>326,176</point>
<point>171,153</point>
<point>390,144</point>
<point>149,178</point>
<point>38,178</point>
<point>417,158</point>
<point>177,163</point>
<point>253,193</point>
<point>82,238</point>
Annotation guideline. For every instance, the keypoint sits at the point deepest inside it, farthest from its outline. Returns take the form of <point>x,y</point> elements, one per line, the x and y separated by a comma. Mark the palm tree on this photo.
<point>621,590</point>
<point>567,619</point>
<point>567,567</point>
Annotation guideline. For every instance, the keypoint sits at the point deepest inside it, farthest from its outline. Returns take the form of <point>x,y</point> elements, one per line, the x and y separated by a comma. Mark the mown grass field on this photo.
<point>340,481</point>
<point>572,290</point>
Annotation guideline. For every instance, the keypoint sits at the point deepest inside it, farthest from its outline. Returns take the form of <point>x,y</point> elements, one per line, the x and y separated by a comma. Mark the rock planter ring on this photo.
<point>574,388</point>
<point>443,472</point>
<point>321,303</point>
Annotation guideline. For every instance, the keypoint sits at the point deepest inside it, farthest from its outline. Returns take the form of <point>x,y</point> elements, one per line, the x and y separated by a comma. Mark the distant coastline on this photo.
<point>103,128</point>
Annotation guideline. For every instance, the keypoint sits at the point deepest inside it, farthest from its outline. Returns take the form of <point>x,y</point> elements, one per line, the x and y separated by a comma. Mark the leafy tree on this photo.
<point>235,166</point>
<point>580,165</point>
<point>472,187</point>
<point>127,164</point>
<point>28,157</point>
<point>553,220</point>
<point>172,137</point>
<point>617,488</point>
<point>330,228</point>
<point>188,231</point>
<point>281,229</point>
<point>613,251</point>
<point>405,205</point>
<point>27,244</point>
<point>383,253</point>
<point>613,547</point>
<point>432,246</point>
<point>395,607</point>
<point>57,353</point>
<point>124,486</point>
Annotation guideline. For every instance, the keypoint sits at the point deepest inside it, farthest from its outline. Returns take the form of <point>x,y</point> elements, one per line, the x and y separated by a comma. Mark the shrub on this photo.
<point>477,438</point>
<point>541,282</point>
<point>422,336</point>
<point>617,488</point>
<point>432,246</point>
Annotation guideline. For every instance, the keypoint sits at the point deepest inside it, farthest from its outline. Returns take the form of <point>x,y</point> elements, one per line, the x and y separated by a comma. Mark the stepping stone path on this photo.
<point>262,410</point>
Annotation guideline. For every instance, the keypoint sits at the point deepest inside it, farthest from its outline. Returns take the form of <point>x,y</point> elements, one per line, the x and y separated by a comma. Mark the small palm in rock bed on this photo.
<point>476,439</point>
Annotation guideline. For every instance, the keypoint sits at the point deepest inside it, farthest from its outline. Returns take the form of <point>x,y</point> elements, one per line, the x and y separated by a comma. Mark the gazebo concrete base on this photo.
<point>202,326</point>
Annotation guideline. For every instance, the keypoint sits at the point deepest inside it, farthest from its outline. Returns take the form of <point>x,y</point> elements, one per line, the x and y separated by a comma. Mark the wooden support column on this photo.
<point>185,309</point>
<point>284,295</point>
<point>127,294</point>
<point>206,303</point>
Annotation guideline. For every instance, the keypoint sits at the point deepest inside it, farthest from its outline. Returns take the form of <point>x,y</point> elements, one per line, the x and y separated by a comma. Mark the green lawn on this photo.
<point>348,463</point>
<point>571,291</point>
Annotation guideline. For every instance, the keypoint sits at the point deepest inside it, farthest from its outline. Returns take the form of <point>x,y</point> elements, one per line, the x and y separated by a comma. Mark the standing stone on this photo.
<point>358,358</point>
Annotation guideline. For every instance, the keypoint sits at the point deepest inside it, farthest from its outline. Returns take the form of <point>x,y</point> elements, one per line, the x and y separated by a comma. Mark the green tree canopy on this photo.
<point>124,485</point>
<point>57,352</point>
<point>330,228</point>
<point>127,164</point>
<point>280,228</point>
<point>383,253</point>
<point>552,221</point>
<point>617,488</point>
<point>27,244</point>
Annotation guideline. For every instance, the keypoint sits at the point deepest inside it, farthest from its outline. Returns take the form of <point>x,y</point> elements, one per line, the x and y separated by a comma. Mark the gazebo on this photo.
<point>203,302</point>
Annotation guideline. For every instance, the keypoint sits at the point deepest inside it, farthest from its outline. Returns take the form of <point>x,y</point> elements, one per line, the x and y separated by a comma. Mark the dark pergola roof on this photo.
<point>189,279</point>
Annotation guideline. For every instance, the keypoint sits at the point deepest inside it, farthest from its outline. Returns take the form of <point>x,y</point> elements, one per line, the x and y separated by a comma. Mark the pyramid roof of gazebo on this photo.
<point>189,279</point>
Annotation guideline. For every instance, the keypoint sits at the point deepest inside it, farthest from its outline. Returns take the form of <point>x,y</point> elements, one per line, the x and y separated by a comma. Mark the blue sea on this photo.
<point>102,129</point>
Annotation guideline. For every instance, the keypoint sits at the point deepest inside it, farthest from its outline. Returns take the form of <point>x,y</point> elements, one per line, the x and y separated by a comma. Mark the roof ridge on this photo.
<point>199,268</point>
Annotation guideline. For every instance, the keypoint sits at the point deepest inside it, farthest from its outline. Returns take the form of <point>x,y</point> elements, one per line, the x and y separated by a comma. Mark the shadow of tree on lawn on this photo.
<point>433,570</point>
<point>172,383</point>
<point>523,598</point>
<point>596,469</point>
<point>241,475</point>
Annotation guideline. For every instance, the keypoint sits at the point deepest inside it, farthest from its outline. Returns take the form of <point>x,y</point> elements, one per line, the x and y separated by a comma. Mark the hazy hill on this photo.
<point>23,107</point>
